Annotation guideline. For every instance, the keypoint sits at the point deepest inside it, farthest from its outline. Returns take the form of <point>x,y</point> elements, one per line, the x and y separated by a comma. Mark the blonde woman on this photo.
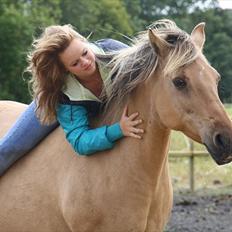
<point>67,82</point>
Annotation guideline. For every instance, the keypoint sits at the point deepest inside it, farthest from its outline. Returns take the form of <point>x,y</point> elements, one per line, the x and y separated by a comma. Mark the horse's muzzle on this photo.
<point>219,145</point>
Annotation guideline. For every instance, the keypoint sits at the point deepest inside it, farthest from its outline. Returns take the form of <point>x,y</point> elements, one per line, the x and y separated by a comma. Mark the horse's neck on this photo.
<point>151,151</point>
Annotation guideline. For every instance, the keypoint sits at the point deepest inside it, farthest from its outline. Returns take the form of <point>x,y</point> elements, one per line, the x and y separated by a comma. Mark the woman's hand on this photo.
<point>128,124</point>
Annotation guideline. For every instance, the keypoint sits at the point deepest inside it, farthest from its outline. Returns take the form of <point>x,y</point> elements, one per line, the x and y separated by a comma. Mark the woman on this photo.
<point>67,82</point>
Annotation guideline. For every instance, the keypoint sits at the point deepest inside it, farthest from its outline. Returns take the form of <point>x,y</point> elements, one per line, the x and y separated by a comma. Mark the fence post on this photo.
<point>191,166</point>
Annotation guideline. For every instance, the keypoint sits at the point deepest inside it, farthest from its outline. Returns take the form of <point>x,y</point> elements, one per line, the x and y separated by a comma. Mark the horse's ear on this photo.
<point>158,43</point>
<point>198,35</point>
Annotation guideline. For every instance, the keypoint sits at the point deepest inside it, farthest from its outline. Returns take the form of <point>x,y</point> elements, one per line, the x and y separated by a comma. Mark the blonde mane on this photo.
<point>133,65</point>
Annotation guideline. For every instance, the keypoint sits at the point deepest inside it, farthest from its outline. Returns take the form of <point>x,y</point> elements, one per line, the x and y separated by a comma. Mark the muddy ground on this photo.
<point>201,213</point>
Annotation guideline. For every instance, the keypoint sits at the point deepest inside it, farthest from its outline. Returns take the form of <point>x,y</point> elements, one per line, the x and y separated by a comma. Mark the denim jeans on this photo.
<point>27,132</point>
<point>109,45</point>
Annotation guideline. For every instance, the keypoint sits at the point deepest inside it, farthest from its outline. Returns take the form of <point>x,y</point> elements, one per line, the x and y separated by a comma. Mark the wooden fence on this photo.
<point>191,153</point>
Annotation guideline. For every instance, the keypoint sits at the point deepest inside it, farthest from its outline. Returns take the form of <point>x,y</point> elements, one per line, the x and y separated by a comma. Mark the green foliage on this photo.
<point>218,46</point>
<point>134,9</point>
<point>15,36</point>
<point>100,18</point>
<point>155,9</point>
<point>19,21</point>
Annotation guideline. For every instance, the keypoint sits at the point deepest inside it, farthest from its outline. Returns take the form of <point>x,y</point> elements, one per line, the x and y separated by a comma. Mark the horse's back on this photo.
<point>28,190</point>
<point>9,112</point>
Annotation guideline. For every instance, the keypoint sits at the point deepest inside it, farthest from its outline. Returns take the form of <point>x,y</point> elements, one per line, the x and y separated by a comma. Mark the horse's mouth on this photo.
<point>219,157</point>
<point>224,161</point>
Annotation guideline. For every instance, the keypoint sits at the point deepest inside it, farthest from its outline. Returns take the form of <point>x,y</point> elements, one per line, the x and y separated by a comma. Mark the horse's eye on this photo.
<point>179,83</point>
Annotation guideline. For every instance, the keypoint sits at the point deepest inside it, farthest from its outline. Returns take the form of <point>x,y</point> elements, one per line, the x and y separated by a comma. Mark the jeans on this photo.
<point>27,132</point>
<point>109,45</point>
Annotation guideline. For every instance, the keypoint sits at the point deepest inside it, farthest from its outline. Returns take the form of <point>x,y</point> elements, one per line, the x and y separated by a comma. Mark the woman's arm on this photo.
<point>84,140</point>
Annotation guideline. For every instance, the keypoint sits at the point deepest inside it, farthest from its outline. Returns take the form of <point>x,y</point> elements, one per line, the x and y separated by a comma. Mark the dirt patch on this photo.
<point>201,213</point>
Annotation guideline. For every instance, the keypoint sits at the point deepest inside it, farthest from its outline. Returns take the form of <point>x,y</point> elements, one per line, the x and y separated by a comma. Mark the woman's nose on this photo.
<point>84,62</point>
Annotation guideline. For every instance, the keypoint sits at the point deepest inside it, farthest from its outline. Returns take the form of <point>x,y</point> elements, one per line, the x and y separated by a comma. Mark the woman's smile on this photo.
<point>87,67</point>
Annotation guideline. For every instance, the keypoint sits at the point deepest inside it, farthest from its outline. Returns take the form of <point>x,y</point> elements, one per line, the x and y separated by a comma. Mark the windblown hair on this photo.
<point>48,73</point>
<point>133,65</point>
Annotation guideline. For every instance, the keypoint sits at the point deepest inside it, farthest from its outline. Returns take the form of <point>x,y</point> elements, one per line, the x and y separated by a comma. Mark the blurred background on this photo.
<point>21,20</point>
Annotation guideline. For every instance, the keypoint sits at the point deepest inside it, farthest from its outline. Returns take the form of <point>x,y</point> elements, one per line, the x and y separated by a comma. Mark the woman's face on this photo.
<point>79,59</point>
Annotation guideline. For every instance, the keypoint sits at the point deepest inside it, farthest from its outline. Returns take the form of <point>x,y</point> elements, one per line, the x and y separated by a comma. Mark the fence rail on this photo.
<point>191,153</point>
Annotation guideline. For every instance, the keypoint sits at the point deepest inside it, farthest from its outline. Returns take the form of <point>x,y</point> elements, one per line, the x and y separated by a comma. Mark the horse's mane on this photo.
<point>133,65</point>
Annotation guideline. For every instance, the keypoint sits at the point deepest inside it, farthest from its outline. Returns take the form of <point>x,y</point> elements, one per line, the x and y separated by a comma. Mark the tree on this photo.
<point>155,9</point>
<point>102,18</point>
<point>218,46</point>
<point>134,9</point>
<point>19,21</point>
<point>15,37</point>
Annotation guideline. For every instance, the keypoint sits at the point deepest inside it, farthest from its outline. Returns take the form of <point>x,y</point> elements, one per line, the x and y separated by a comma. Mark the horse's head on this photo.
<point>186,96</point>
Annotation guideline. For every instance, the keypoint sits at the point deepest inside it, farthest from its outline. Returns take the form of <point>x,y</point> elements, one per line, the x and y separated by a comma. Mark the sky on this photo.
<point>225,4</point>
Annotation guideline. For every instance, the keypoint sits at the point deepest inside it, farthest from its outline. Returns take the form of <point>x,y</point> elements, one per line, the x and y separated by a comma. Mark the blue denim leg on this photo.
<point>109,45</point>
<point>22,137</point>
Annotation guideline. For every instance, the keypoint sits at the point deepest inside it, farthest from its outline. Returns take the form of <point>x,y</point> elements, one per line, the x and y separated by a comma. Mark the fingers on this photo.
<point>137,130</point>
<point>129,124</point>
<point>136,122</point>
<point>133,116</point>
<point>133,135</point>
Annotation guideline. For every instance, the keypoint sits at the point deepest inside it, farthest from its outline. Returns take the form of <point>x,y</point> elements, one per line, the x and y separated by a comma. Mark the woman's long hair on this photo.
<point>48,72</point>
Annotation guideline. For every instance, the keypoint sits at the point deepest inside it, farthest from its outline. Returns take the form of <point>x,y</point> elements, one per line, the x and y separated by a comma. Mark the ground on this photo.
<point>201,213</point>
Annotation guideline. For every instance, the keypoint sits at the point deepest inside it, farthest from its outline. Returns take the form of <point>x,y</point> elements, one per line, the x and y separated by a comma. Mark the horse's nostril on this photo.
<point>218,140</point>
<point>221,141</point>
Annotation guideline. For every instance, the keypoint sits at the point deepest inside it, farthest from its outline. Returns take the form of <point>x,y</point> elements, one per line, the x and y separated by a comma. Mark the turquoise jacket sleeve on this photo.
<point>85,141</point>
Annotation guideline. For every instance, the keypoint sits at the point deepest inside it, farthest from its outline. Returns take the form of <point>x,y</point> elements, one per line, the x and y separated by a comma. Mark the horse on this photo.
<point>165,76</point>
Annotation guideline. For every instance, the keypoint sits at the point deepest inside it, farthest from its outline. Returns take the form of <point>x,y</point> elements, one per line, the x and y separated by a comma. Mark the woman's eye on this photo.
<point>179,83</point>
<point>85,53</point>
<point>75,64</point>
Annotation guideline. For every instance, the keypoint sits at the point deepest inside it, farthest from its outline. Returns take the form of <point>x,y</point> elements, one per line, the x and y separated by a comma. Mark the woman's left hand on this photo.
<point>129,124</point>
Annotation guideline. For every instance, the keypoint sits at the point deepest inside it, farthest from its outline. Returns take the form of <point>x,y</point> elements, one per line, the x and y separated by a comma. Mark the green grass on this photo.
<point>207,173</point>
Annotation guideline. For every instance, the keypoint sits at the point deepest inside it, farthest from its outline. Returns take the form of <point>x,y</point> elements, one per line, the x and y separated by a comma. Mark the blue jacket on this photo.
<point>77,105</point>
<point>84,140</point>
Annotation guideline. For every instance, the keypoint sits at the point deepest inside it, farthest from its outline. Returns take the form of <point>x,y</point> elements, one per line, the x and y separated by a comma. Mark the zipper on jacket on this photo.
<point>71,113</point>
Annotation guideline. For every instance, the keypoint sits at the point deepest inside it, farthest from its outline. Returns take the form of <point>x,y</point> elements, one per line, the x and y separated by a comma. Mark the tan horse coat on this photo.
<point>111,191</point>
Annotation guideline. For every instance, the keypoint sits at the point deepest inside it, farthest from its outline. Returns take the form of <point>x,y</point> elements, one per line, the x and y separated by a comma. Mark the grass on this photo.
<point>207,173</point>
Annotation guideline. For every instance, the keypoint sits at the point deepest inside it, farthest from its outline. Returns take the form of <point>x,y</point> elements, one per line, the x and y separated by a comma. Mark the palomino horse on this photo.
<point>168,80</point>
